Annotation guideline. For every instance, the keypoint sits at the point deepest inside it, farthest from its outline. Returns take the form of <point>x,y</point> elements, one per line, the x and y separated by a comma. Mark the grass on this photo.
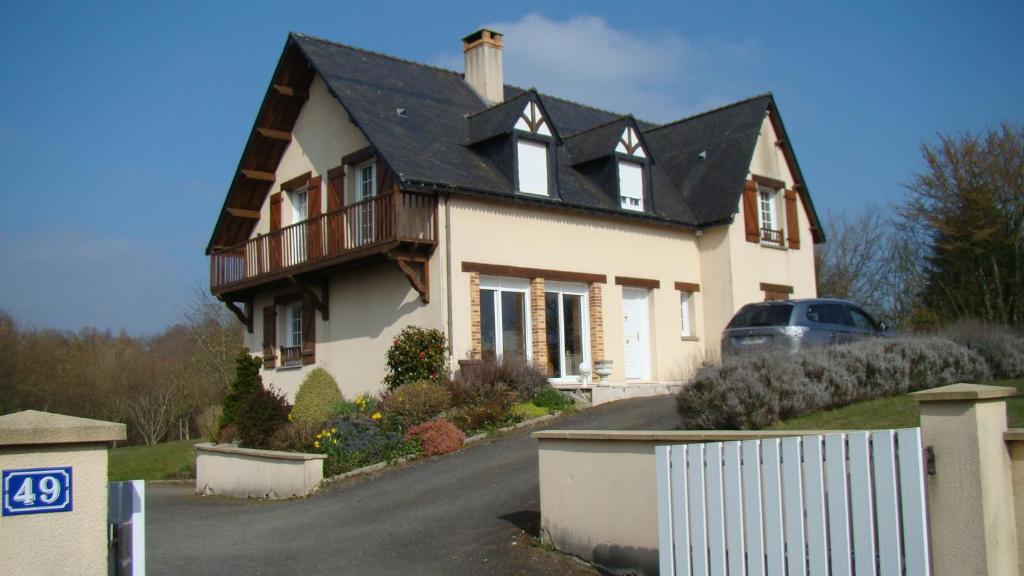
<point>529,410</point>
<point>162,461</point>
<point>895,412</point>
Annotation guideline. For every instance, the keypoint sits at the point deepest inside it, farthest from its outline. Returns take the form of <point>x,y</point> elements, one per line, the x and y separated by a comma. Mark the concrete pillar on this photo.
<point>970,496</point>
<point>70,537</point>
<point>1015,442</point>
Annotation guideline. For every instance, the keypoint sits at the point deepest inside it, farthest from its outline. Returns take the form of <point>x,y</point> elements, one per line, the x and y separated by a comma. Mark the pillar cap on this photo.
<point>34,427</point>
<point>964,392</point>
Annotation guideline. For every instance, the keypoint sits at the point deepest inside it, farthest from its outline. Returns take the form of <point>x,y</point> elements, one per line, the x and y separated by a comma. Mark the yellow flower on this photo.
<point>317,443</point>
<point>334,430</point>
<point>376,416</point>
<point>289,416</point>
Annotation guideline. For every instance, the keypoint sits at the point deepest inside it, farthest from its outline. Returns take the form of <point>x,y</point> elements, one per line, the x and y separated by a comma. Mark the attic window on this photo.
<point>532,162</point>
<point>631,185</point>
<point>532,121</point>
<point>629,143</point>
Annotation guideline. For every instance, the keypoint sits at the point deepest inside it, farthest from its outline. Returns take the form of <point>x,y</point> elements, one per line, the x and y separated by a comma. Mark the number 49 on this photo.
<point>49,486</point>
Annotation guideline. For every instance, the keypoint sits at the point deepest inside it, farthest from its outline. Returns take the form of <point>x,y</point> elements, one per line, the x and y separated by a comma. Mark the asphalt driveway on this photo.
<point>473,512</point>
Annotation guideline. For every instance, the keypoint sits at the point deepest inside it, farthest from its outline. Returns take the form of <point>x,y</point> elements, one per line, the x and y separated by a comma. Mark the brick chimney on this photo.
<point>482,51</point>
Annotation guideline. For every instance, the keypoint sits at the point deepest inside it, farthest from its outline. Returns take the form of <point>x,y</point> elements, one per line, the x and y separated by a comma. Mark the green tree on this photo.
<point>247,381</point>
<point>967,209</point>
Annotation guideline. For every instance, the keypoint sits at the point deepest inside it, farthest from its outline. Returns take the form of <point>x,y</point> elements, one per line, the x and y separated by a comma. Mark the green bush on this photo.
<point>553,400</point>
<point>317,398</point>
<point>247,380</point>
<point>260,417</point>
<point>414,403</point>
<point>481,404</point>
<point>753,392</point>
<point>416,354</point>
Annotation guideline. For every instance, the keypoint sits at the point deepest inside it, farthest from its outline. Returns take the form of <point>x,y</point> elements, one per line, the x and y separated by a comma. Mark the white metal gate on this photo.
<point>839,504</point>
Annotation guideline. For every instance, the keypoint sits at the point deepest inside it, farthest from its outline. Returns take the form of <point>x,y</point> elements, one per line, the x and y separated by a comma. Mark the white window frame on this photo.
<point>632,200</point>
<point>522,163</point>
<point>293,320</point>
<point>768,210</point>
<point>360,182</point>
<point>687,315</point>
<point>293,196</point>
<point>561,288</point>
<point>499,285</point>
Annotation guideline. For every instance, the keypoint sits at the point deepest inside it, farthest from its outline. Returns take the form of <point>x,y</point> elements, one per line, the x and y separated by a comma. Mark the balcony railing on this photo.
<point>291,355</point>
<point>770,236</point>
<point>395,217</point>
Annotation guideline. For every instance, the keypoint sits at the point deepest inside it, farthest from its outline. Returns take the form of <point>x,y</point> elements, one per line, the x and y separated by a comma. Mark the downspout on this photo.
<point>448,275</point>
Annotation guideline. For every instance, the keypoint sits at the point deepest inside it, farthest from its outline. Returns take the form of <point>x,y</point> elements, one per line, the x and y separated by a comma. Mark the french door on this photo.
<point>568,333</point>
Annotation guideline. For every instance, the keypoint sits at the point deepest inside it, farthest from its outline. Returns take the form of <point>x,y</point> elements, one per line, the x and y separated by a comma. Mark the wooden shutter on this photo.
<point>269,335</point>
<point>750,211</point>
<point>308,333</point>
<point>314,230</point>
<point>275,225</point>
<point>792,224</point>
<point>335,201</point>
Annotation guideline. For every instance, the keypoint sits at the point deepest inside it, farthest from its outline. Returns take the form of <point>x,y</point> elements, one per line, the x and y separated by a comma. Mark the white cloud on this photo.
<point>654,76</point>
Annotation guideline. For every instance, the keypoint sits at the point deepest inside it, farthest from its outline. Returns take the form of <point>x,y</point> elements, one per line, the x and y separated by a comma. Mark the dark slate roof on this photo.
<point>595,142</point>
<point>726,136</point>
<point>432,144</point>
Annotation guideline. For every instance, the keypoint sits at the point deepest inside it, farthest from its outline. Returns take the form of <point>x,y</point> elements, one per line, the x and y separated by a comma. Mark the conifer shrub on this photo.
<point>247,380</point>
<point>317,398</point>
<point>416,354</point>
<point>436,437</point>
<point>260,416</point>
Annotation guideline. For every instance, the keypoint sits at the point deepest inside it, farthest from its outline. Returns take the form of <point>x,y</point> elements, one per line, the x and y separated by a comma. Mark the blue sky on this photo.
<point>121,123</point>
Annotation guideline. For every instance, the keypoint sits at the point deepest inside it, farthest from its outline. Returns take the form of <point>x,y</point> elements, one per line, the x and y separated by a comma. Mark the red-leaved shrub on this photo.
<point>436,437</point>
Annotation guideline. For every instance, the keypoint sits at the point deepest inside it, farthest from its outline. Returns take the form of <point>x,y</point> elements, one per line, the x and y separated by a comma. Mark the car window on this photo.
<point>754,315</point>
<point>828,313</point>
<point>862,320</point>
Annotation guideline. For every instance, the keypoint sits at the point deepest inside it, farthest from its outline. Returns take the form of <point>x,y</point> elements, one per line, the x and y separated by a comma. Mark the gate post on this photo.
<point>970,487</point>
<point>54,493</point>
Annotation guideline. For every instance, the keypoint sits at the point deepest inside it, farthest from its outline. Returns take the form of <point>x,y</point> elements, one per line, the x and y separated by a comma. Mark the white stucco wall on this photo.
<point>321,136</point>
<point>510,235</point>
<point>754,263</point>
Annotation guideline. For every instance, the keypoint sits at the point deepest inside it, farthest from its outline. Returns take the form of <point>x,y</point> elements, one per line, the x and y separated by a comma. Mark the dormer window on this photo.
<point>631,185</point>
<point>532,151</point>
<point>533,166</point>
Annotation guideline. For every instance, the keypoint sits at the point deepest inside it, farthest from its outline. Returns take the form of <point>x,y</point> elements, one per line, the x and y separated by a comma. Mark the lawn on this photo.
<point>895,412</point>
<point>162,461</point>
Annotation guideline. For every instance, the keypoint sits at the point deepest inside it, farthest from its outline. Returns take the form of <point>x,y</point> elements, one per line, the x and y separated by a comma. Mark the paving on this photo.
<point>473,512</point>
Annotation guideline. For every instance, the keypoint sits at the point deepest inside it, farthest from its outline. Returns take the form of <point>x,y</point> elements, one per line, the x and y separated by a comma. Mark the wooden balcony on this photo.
<point>400,220</point>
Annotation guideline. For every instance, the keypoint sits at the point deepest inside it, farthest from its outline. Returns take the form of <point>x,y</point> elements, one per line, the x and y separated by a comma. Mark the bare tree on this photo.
<point>854,263</point>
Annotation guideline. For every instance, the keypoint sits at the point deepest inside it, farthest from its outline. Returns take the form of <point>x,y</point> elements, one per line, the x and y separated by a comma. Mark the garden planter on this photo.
<point>227,470</point>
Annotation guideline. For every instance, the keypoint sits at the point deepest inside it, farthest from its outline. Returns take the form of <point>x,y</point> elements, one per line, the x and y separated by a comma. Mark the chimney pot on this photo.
<point>483,68</point>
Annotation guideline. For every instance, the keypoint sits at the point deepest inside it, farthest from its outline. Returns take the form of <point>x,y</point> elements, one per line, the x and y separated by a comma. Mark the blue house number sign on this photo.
<point>36,491</point>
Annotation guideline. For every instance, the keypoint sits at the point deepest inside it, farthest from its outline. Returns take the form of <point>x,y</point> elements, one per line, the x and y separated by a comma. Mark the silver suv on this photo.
<point>793,325</point>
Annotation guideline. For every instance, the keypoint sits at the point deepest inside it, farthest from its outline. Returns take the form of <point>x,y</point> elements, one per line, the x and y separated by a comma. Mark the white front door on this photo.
<point>635,331</point>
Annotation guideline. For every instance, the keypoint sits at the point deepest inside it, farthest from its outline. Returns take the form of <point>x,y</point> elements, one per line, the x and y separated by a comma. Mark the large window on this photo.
<point>291,345</point>
<point>771,229</point>
<point>631,185</point>
<point>504,317</point>
<point>296,240</point>
<point>366,188</point>
<point>299,197</point>
<point>565,308</point>
<point>532,158</point>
